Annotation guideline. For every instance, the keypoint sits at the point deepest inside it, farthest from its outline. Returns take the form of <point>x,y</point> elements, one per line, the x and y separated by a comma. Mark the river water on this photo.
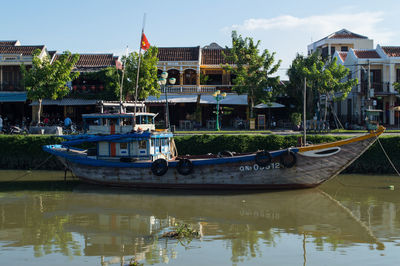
<point>352,220</point>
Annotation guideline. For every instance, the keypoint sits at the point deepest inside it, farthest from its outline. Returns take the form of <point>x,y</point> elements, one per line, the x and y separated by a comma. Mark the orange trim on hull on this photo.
<point>372,134</point>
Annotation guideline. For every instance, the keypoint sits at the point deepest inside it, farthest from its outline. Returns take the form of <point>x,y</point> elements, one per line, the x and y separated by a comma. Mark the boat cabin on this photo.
<point>117,123</point>
<point>137,146</point>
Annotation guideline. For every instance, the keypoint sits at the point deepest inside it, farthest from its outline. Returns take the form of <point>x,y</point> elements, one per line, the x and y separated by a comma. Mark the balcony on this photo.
<point>379,87</point>
<point>202,89</point>
<point>5,86</point>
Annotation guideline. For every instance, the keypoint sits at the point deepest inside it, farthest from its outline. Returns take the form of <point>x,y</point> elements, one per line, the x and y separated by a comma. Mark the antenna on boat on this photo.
<point>138,68</point>
<point>304,111</point>
<point>121,108</point>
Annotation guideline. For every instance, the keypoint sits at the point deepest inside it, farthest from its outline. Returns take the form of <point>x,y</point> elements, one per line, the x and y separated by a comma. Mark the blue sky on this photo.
<point>285,27</point>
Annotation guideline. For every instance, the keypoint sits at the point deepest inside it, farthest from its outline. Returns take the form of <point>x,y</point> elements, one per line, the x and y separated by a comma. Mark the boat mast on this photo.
<point>138,68</point>
<point>122,82</point>
<point>304,111</point>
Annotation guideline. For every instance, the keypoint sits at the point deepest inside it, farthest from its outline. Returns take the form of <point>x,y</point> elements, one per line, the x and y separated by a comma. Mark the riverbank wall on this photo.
<point>25,152</point>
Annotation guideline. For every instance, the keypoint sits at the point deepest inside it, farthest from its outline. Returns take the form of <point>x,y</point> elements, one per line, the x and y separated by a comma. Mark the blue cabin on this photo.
<point>137,146</point>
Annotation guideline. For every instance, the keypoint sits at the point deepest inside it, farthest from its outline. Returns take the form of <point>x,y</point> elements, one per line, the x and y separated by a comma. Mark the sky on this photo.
<point>285,27</point>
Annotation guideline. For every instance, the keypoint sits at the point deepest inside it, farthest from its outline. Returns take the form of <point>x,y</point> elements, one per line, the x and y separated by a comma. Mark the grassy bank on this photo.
<point>25,152</point>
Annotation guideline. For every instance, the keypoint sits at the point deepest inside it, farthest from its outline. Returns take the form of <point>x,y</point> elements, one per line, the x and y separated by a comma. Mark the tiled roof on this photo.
<point>392,51</point>
<point>12,43</point>
<point>343,55</point>
<point>366,53</point>
<point>24,50</point>
<point>178,54</point>
<point>94,60</point>
<point>344,34</point>
<point>213,56</point>
<point>52,54</point>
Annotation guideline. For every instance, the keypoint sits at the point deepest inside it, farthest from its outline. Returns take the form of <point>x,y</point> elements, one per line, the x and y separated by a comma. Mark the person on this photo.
<point>1,123</point>
<point>67,122</point>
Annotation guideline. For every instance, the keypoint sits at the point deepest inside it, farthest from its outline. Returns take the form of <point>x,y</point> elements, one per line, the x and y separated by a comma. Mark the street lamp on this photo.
<point>218,97</point>
<point>163,82</point>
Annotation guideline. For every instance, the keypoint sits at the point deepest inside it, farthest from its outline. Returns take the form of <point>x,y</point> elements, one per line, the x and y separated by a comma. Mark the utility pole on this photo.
<point>369,85</point>
<point>304,111</point>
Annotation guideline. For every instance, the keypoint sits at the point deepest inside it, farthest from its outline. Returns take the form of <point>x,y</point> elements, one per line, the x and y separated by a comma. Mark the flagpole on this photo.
<point>122,82</point>
<point>137,76</point>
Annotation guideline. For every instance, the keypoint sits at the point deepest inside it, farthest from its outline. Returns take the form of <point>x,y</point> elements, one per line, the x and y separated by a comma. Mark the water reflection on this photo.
<point>115,225</point>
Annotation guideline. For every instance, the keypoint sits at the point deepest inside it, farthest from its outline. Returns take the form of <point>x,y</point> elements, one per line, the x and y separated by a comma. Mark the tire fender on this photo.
<point>159,167</point>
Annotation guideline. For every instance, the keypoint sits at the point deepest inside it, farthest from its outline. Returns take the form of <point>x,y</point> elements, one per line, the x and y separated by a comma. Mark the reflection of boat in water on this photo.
<point>122,223</point>
<point>293,212</point>
<point>148,159</point>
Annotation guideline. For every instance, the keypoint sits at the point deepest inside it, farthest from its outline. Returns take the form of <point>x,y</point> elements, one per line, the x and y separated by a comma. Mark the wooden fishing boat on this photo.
<point>149,159</point>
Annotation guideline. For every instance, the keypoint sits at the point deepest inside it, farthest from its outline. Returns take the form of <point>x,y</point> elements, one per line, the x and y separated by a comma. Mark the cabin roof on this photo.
<point>136,136</point>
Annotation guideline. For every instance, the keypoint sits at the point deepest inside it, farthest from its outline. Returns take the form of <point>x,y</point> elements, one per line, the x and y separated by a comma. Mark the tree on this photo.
<point>148,85</point>
<point>323,78</point>
<point>253,70</point>
<point>46,80</point>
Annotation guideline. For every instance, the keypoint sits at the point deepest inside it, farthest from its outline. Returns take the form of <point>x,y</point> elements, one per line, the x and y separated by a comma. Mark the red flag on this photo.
<point>144,43</point>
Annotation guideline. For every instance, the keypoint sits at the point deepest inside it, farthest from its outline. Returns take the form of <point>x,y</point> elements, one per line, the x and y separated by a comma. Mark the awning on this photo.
<point>270,105</point>
<point>173,98</point>
<point>11,96</point>
<point>66,102</point>
<point>230,99</point>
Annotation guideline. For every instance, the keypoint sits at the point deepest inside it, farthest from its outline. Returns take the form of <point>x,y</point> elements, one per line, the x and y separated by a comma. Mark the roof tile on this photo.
<point>366,53</point>
<point>213,56</point>
<point>392,51</point>
<point>24,50</point>
<point>343,55</point>
<point>178,53</point>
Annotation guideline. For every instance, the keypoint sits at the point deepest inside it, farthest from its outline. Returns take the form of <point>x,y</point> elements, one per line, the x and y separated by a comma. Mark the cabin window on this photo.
<point>123,145</point>
<point>138,120</point>
<point>142,144</point>
<point>164,142</point>
<point>152,142</point>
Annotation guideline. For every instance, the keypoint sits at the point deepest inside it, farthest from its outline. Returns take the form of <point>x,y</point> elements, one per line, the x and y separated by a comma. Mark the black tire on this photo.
<point>288,159</point>
<point>263,158</point>
<point>225,154</point>
<point>159,167</point>
<point>185,166</point>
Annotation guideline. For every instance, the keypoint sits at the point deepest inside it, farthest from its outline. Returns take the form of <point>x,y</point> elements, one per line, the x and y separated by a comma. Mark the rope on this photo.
<point>30,171</point>
<point>387,156</point>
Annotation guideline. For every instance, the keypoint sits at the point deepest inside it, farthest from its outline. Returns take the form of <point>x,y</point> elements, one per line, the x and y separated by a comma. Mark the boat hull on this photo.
<point>238,172</point>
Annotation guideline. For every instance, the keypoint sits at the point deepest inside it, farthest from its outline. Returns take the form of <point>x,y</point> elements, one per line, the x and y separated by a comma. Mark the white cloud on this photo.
<point>364,23</point>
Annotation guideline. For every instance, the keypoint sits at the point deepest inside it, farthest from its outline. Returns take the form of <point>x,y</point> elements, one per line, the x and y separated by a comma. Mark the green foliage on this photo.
<point>25,152</point>
<point>397,86</point>
<point>148,79</point>
<point>253,70</point>
<point>204,79</point>
<point>323,78</point>
<point>48,80</point>
<point>295,118</point>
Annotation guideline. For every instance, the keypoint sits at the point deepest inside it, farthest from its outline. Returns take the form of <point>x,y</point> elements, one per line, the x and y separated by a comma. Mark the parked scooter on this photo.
<point>16,130</point>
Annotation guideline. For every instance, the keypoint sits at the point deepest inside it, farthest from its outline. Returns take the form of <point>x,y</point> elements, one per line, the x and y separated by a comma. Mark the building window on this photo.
<point>190,77</point>
<point>398,75</point>
<point>344,48</point>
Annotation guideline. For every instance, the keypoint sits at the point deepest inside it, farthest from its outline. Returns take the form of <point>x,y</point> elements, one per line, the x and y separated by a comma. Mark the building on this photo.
<point>86,90</point>
<point>13,104</point>
<point>198,73</point>
<point>342,41</point>
<point>376,71</point>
